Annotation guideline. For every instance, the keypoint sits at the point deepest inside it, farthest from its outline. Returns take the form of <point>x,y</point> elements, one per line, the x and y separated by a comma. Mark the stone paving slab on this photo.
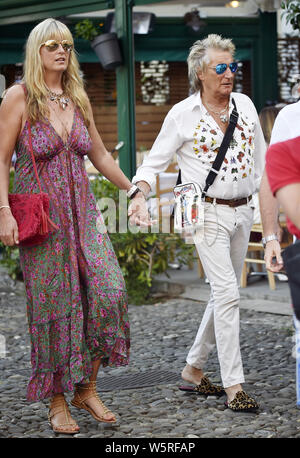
<point>267,306</point>
<point>260,305</point>
<point>161,335</point>
<point>258,296</point>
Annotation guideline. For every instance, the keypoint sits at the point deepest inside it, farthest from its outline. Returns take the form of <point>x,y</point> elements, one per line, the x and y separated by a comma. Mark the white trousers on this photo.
<point>222,253</point>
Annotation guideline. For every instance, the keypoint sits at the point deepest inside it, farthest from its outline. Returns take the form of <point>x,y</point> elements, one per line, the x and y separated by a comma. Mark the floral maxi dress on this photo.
<point>76,296</point>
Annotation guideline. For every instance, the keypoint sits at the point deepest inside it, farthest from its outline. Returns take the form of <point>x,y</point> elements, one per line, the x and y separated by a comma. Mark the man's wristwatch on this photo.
<point>268,238</point>
<point>133,191</point>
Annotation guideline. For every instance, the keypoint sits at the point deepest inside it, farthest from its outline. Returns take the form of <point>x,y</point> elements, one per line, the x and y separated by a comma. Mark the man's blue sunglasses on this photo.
<point>221,68</point>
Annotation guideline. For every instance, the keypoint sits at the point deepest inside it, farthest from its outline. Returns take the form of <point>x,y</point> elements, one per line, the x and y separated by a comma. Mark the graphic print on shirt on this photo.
<point>239,157</point>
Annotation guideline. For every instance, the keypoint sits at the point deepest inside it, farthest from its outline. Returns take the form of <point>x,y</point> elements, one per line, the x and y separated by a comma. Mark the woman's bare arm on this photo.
<point>103,160</point>
<point>12,115</point>
<point>105,163</point>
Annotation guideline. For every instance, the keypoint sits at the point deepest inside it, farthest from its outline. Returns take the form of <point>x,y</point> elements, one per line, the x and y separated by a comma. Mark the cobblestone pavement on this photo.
<point>161,336</point>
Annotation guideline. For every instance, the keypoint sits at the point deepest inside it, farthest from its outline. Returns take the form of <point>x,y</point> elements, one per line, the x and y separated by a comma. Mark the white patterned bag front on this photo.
<point>189,211</point>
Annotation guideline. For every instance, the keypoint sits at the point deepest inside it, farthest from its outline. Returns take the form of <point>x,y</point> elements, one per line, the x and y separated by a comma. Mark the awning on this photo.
<point>12,52</point>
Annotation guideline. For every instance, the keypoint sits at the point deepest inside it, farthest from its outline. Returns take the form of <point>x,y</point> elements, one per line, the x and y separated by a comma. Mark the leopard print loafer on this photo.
<point>242,403</point>
<point>205,388</point>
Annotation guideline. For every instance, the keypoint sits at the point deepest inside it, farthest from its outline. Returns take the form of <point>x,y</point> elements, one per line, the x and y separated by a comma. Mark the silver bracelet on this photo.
<point>133,191</point>
<point>4,206</point>
<point>268,238</point>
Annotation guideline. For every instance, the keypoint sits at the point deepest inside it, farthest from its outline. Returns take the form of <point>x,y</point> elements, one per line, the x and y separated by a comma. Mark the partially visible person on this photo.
<point>267,117</point>
<point>286,127</point>
<point>283,171</point>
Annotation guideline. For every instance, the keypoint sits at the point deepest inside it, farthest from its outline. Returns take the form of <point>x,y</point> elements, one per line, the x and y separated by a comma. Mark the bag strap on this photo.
<point>222,151</point>
<point>30,146</point>
<point>178,178</point>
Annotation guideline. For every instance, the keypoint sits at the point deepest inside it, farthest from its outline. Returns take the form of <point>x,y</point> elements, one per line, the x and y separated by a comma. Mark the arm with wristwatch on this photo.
<point>269,210</point>
<point>138,211</point>
<point>105,163</point>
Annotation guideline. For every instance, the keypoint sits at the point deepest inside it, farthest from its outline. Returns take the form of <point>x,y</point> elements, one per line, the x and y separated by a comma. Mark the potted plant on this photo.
<point>291,12</point>
<point>105,45</point>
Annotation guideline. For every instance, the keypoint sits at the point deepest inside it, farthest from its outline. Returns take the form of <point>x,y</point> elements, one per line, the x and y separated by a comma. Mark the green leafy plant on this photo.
<point>292,13</point>
<point>87,30</point>
<point>11,261</point>
<point>141,255</point>
<point>9,256</point>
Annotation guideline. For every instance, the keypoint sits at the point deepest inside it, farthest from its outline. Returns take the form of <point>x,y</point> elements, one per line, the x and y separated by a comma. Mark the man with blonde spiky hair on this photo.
<point>194,128</point>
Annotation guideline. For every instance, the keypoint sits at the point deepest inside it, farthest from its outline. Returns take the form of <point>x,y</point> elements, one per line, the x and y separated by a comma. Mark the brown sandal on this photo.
<point>80,399</point>
<point>59,405</point>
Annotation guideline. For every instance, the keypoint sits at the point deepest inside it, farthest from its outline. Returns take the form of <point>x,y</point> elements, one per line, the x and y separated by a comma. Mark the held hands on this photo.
<point>138,212</point>
<point>9,234</point>
<point>273,258</point>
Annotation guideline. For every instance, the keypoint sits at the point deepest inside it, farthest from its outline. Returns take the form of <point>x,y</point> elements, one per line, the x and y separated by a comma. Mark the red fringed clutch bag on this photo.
<point>31,211</point>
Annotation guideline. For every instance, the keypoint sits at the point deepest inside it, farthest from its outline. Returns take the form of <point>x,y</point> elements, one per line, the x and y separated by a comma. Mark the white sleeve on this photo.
<point>281,129</point>
<point>168,141</point>
<point>260,149</point>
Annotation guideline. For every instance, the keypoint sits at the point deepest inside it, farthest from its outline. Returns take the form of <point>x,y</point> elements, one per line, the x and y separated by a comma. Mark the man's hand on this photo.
<point>273,250</point>
<point>138,212</point>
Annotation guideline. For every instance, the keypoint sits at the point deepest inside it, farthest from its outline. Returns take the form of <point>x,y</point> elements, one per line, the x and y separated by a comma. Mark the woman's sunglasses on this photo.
<point>221,68</point>
<point>52,45</point>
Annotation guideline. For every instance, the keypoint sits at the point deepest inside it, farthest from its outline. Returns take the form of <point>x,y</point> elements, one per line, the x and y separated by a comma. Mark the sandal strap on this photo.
<point>87,386</point>
<point>59,405</point>
<point>85,398</point>
<point>91,387</point>
<point>53,412</point>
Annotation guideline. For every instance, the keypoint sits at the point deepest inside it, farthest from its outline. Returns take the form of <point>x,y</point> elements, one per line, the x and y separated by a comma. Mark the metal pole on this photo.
<point>126,87</point>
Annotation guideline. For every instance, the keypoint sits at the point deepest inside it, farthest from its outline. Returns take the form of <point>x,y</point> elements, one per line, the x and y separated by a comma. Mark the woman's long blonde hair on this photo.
<point>34,73</point>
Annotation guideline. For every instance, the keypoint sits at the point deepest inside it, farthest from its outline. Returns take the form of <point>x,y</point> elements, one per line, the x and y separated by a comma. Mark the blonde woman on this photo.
<point>267,117</point>
<point>76,296</point>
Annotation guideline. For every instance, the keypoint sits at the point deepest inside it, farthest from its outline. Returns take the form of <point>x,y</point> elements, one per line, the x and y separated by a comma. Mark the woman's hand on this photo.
<point>138,212</point>
<point>9,234</point>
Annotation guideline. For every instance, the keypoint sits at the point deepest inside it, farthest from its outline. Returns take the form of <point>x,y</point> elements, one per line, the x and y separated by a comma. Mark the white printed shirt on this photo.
<point>189,131</point>
<point>287,123</point>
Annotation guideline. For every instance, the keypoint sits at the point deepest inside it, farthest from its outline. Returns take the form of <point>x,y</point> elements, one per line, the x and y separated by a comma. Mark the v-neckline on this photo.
<point>57,134</point>
<point>209,116</point>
